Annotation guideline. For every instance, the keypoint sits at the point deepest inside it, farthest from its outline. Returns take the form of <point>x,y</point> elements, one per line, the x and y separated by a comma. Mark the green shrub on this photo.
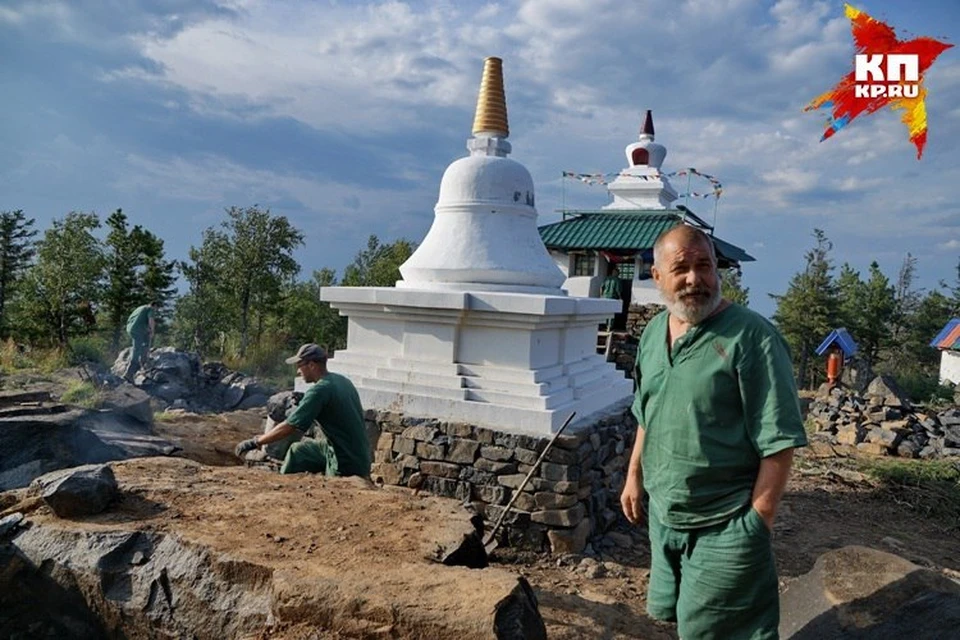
<point>88,349</point>
<point>924,387</point>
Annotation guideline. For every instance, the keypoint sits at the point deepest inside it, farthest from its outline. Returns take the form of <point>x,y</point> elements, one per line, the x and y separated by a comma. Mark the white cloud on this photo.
<point>727,81</point>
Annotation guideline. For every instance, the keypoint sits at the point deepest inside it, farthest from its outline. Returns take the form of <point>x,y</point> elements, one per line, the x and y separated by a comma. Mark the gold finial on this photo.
<point>491,102</point>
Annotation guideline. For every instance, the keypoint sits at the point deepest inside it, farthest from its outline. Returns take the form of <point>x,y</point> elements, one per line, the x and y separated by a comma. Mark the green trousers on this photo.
<point>718,582</point>
<point>311,456</point>
<point>141,346</point>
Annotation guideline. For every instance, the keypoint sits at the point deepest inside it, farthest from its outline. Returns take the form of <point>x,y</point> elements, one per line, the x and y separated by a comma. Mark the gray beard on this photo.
<point>692,312</point>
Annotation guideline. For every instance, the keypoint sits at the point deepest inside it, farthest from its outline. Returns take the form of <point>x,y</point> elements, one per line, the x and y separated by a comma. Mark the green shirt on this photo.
<point>139,320</point>
<point>711,407</point>
<point>610,288</point>
<point>333,402</point>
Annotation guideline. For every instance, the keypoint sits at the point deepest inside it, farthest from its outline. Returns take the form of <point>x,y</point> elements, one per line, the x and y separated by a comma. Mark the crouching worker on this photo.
<point>331,400</point>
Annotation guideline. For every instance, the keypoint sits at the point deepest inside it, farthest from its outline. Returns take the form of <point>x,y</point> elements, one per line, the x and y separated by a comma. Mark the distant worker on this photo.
<point>332,400</point>
<point>141,325</point>
<point>610,289</point>
<point>611,285</point>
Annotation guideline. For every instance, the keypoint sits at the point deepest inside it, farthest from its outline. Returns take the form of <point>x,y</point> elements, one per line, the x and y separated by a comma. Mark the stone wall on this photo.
<point>573,495</point>
<point>623,345</point>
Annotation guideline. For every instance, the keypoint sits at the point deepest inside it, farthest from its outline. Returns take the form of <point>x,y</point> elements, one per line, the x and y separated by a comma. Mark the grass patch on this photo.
<point>82,394</point>
<point>16,357</point>
<point>929,487</point>
<point>167,416</point>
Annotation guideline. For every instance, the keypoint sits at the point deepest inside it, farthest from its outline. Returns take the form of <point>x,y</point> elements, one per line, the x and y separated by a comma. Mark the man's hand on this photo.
<point>771,481</point>
<point>245,446</point>
<point>632,499</point>
<point>767,516</point>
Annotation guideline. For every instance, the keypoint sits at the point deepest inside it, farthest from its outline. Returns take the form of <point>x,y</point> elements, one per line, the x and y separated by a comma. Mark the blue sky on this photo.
<point>343,116</point>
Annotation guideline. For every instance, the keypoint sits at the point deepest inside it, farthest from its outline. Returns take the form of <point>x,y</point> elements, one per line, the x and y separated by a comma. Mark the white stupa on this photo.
<point>478,330</point>
<point>641,185</point>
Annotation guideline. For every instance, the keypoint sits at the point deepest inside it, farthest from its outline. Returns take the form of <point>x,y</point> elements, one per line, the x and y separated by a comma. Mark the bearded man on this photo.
<point>718,420</point>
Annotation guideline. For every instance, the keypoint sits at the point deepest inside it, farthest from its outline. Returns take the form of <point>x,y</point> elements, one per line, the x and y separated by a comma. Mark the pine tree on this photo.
<point>16,252</point>
<point>906,299</point>
<point>809,309</point>
<point>877,313</point>
<point>731,287</point>
<point>137,273</point>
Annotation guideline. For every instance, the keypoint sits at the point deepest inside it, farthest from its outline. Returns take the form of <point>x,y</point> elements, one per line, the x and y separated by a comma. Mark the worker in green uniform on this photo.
<point>611,289</point>
<point>719,419</point>
<point>140,325</point>
<point>331,400</point>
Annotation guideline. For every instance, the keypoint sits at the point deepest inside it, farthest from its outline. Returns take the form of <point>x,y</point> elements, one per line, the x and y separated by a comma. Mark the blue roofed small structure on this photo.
<point>841,338</point>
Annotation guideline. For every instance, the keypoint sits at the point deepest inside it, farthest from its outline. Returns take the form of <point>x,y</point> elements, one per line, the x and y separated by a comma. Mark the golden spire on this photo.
<point>491,102</point>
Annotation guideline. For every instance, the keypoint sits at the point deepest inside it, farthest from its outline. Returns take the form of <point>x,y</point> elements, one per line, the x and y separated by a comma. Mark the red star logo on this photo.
<point>847,100</point>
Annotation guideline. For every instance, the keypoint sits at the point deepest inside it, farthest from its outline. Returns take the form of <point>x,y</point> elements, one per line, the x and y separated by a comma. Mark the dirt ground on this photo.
<point>828,505</point>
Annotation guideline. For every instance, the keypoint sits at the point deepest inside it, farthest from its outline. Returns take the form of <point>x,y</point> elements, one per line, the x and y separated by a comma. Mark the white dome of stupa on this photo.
<point>484,235</point>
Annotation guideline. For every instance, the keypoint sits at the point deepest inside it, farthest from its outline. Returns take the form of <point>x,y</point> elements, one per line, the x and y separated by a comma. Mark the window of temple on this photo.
<point>583,265</point>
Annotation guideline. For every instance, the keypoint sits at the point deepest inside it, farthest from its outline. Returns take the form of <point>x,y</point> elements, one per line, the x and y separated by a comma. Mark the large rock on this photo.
<point>81,491</point>
<point>112,584</point>
<point>282,404</point>
<point>129,400</point>
<point>244,558</point>
<point>570,540</point>
<point>886,389</point>
<point>170,376</point>
<point>176,365</point>
<point>857,592</point>
<point>34,445</point>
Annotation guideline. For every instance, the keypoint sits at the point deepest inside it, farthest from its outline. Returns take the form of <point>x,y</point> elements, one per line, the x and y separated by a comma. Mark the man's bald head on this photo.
<point>682,235</point>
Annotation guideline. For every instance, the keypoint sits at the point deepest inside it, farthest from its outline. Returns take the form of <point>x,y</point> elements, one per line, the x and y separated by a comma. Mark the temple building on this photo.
<point>585,244</point>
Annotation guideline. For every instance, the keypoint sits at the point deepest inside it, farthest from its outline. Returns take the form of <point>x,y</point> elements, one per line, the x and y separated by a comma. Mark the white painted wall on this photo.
<point>645,292</point>
<point>562,260</point>
<point>583,286</point>
<point>949,366</point>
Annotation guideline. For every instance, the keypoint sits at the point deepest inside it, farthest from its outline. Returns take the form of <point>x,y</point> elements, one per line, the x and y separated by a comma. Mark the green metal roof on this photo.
<point>609,231</point>
<point>633,230</point>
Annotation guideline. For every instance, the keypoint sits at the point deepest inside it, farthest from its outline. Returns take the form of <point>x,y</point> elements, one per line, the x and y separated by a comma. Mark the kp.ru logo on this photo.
<point>887,73</point>
<point>869,73</point>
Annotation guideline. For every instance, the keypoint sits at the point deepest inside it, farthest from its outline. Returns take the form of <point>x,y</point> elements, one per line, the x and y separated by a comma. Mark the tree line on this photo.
<point>892,321</point>
<point>242,297</point>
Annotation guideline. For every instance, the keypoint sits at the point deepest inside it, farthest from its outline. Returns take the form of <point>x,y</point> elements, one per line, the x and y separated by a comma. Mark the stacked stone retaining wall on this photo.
<point>572,496</point>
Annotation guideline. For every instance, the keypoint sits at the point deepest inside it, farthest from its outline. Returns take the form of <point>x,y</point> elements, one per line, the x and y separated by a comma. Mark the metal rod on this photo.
<point>530,473</point>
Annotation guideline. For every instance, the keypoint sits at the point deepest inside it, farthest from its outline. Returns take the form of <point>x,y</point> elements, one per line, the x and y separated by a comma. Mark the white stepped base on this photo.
<point>508,361</point>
